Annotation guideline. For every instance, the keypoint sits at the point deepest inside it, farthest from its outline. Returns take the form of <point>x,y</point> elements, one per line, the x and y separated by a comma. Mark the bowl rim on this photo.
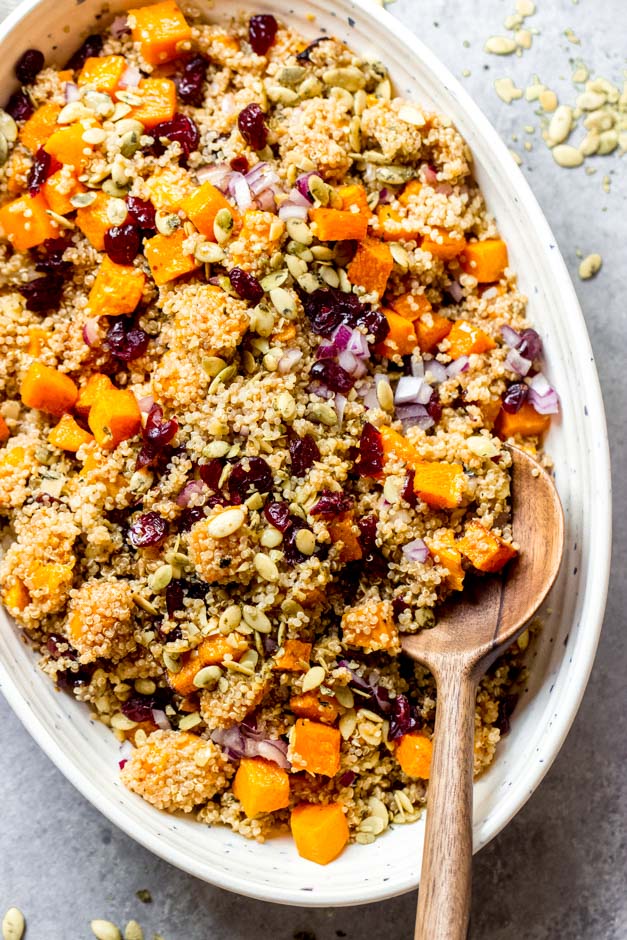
<point>600,536</point>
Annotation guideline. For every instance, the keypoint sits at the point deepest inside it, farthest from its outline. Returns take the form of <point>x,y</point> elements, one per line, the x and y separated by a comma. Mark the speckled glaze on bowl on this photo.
<point>87,753</point>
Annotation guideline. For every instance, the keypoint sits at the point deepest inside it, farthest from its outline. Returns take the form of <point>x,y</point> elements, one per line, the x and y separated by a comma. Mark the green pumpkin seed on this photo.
<point>400,256</point>
<point>384,89</point>
<point>4,150</point>
<point>270,538</point>
<point>81,200</point>
<point>385,396</point>
<point>105,930</point>
<point>190,721</point>
<point>8,129</point>
<point>208,677</point>
<point>13,924</point>
<point>248,361</point>
<point>278,94</point>
<point>276,279</point>
<point>167,223</point>
<point>299,231</point>
<point>216,449</point>
<point>222,378</point>
<point>116,210</point>
<point>256,619</point>
<point>360,101</point>
<point>230,618</point>
<point>411,116</point>
<point>223,225</point>
<point>291,75</point>
<point>172,662</point>
<point>310,88</point>
<point>305,541</point>
<point>98,102</point>
<point>111,188</point>
<point>159,579</point>
<point>212,365</point>
<point>133,931</point>
<point>283,301</point>
<point>320,191</point>
<point>286,406</point>
<point>349,78</point>
<point>313,678</point>
<point>129,144</point>
<point>395,175</point>
<point>266,567</point>
<point>74,111</point>
<point>226,523</point>
<point>330,276</point>
<point>347,724</point>
<point>300,250</point>
<point>309,282</point>
<point>208,252</point>
<point>296,266</point>
<point>145,686</point>
<point>344,696</point>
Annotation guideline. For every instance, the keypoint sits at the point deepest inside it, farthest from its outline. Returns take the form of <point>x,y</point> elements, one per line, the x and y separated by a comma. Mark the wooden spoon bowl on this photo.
<point>471,632</point>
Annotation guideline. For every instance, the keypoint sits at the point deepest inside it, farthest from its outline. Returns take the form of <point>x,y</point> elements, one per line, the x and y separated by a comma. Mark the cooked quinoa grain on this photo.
<point>262,348</point>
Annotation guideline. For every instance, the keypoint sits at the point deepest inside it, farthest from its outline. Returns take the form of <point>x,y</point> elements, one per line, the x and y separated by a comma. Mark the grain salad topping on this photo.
<point>262,349</point>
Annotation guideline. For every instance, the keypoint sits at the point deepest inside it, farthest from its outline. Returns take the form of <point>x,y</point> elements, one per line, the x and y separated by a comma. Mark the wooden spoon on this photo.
<point>470,634</point>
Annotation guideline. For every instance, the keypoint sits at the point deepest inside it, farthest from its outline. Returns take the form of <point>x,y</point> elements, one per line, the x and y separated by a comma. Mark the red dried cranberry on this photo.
<point>126,343</point>
<point>246,285</point>
<point>434,405</point>
<point>506,708</point>
<point>304,453</point>
<point>190,83</point>
<point>403,719</point>
<point>399,606</point>
<point>157,434</point>
<point>122,243</point>
<point>375,323</point>
<point>211,472</point>
<point>278,514</point>
<point>248,476</point>
<point>147,530</point>
<point>332,504</point>
<point>347,778</point>
<point>28,66</point>
<point>252,126</point>
<point>53,644</point>
<point>408,493</point>
<point>43,166</point>
<point>71,679</point>
<point>370,460</point>
<point>49,255</point>
<point>530,345</point>
<point>305,55</point>
<point>262,30</point>
<point>43,293</point>
<point>20,106</point>
<point>138,708</point>
<point>328,307</point>
<point>174,598</point>
<point>515,397</point>
<point>91,47</point>
<point>181,130</point>
<point>367,526</point>
<point>292,555</point>
<point>270,646</point>
<point>142,212</point>
<point>190,516</point>
<point>332,375</point>
<point>239,164</point>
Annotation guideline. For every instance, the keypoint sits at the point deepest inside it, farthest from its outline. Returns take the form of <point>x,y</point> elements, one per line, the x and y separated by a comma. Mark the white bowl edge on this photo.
<point>86,752</point>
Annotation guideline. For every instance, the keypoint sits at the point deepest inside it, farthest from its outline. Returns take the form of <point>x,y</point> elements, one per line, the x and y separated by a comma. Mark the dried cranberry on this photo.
<point>375,323</point>
<point>292,555</point>
<point>332,375</point>
<point>71,679</point>
<point>347,778</point>
<point>246,285</point>
<point>28,66</point>
<point>138,708</point>
<point>252,126</point>
<point>157,434</point>
<point>196,588</point>
<point>122,242</point>
<point>262,31</point>
<point>53,644</point>
<point>190,517</point>
<point>326,308</point>
<point>239,164</point>
<point>370,460</point>
<point>142,212</point>
<point>403,719</point>
<point>367,526</point>
<point>332,504</point>
<point>270,646</point>
<point>124,342</point>
<point>278,515</point>
<point>190,83</point>
<point>515,397</point>
<point>181,130</point>
<point>90,48</point>
<point>530,345</point>
<point>408,493</point>
<point>43,293</point>
<point>174,598</point>
<point>304,453</point>
<point>399,606</point>
<point>305,55</point>
<point>434,406</point>
<point>20,106</point>
<point>506,708</point>
<point>248,476</point>
<point>49,255</point>
<point>147,530</point>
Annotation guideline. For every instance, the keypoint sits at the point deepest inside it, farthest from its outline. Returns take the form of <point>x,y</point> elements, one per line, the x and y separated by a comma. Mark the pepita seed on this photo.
<point>121,723</point>
<point>212,365</point>
<point>291,75</point>
<point>172,662</point>
<point>325,414</point>
<point>141,480</point>
<point>266,568</point>
<point>144,604</point>
<point>216,449</point>
<point>286,406</point>
<point>226,523</point>
<point>590,144</point>
<point>305,541</point>
<point>345,284</point>
<point>222,378</point>
<point>299,231</point>
<point>385,396</point>
<point>4,150</point>
<point>347,724</point>
<point>94,135</point>
<point>128,97</point>
<point>133,931</point>
<point>270,538</point>
<point>207,252</point>
<point>8,129</point>
<point>250,658</point>
<point>283,301</point>
<point>365,838</point>
<point>309,282</point>
<point>320,191</point>
<point>105,930</point>
<point>411,116</point>
<point>230,618</point>
<point>159,580</point>
<point>349,78</point>
<point>129,125</point>
<point>189,721</point>
<point>310,88</point>
<point>330,276</point>
<point>13,924</point>
<point>591,100</point>
<point>120,111</point>
<point>81,200</point>
<point>111,188</point>
<point>301,251</point>
<point>208,677</point>
<point>354,133</point>
<point>145,686</point>
<point>168,223</point>
<point>567,156</point>
<point>116,211</point>
<point>590,266</point>
<point>276,279</point>
<point>248,361</point>
<point>523,641</point>
<point>296,266</point>
<point>279,94</point>
<point>313,678</point>
<point>223,225</point>
<point>129,144</point>
<point>608,142</point>
<point>384,89</point>
<point>378,808</point>
<point>394,175</point>
<point>256,619</point>
<point>560,124</point>
<point>373,824</point>
<point>367,715</point>
<point>403,802</point>
<point>74,111</point>
<point>98,102</point>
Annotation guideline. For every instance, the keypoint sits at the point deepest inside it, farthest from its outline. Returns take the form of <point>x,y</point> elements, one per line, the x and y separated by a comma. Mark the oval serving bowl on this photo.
<point>87,753</point>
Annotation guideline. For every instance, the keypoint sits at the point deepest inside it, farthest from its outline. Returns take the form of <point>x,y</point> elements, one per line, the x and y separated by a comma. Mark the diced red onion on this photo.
<point>161,719</point>
<point>407,390</point>
<point>456,291</point>
<point>445,189</point>
<point>417,367</point>
<point>326,350</point>
<point>415,415</point>
<point>370,398</point>
<point>429,174</point>
<point>317,388</point>
<point>288,210</point>
<point>260,178</point>
<point>543,396</point>
<point>241,741</point>
<point>416,551</point>
<point>71,92</point>
<point>517,363</point>
<point>288,360</point>
<point>385,196</point>
<point>218,173</point>
<point>457,366</point>
<point>302,184</point>
<point>145,403</point>
<point>190,489</point>
<point>437,370</point>
<point>358,345</point>
<point>340,406</point>
<point>510,336</point>
<point>131,77</point>
<point>91,332</point>
<point>270,750</point>
<point>348,361</point>
<point>119,26</point>
<point>296,197</point>
<point>240,190</point>
<point>266,201</point>
<point>342,336</point>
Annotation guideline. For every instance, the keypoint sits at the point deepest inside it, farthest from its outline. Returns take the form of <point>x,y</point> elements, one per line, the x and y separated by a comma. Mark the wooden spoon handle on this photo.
<point>445,884</point>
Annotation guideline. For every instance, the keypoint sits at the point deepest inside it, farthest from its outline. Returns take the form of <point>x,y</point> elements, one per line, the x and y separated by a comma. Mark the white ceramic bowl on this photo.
<point>88,754</point>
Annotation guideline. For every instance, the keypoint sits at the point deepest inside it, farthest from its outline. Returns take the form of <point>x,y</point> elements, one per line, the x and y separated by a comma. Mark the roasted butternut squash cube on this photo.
<point>48,390</point>
<point>414,754</point>
<point>161,31</point>
<point>261,786</point>
<point>164,254</point>
<point>320,831</point>
<point>484,550</point>
<point>25,222</point>
<point>117,290</point>
<point>315,747</point>
<point>370,626</point>
<point>103,72</point>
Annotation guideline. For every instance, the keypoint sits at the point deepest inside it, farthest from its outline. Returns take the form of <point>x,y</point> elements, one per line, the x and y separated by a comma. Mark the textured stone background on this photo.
<point>558,870</point>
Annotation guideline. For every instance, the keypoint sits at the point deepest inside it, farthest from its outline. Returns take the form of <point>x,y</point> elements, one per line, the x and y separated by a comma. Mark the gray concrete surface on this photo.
<point>558,870</point>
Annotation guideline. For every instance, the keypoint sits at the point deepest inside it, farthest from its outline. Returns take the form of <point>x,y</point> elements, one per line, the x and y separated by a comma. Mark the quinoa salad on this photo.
<point>262,351</point>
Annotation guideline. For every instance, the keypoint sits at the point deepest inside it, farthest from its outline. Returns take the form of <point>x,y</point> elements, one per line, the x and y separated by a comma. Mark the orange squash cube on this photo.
<point>412,189</point>
<point>40,125</point>
<point>168,187</point>
<point>48,390</point>
<point>4,431</point>
<point>370,626</point>
<point>68,147</point>
<point>372,265</point>
<point>342,529</point>
<point>60,188</point>
<point>396,445</point>
<point>25,222</point>
<point>95,386</point>
<point>36,340</point>
<point>465,339</point>
<point>114,417</point>
<point>68,435</point>
<point>444,547</point>
<point>294,658</point>
<point>485,260</point>
<point>444,245</point>
<point>210,652</point>
<point>322,708</point>
<point>103,72</point>
<point>414,754</point>
<point>334,225</point>
<point>161,31</point>
<point>117,289</point>
<point>320,831</point>
<point>315,747</point>
<point>354,194</point>
<point>16,597</point>
<point>158,100</point>
<point>164,254</point>
<point>431,329</point>
<point>439,484</point>
<point>484,550</point>
<point>261,786</point>
<point>527,422</point>
<point>202,207</point>
<point>411,306</point>
<point>394,227</point>
<point>93,220</point>
<point>401,339</point>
